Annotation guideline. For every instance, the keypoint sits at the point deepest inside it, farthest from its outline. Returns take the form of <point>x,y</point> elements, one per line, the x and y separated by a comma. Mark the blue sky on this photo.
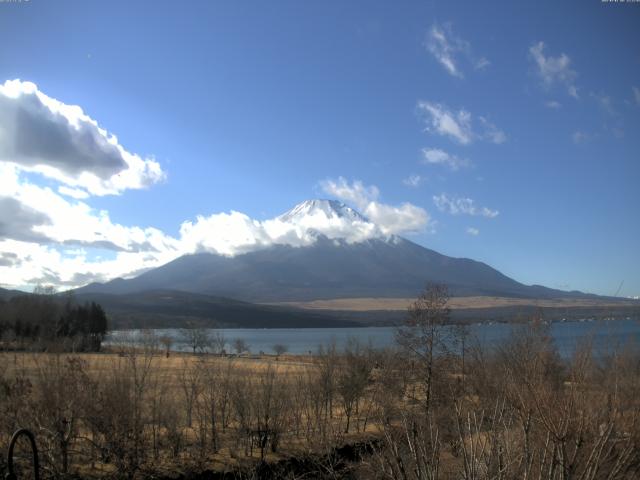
<point>509,131</point>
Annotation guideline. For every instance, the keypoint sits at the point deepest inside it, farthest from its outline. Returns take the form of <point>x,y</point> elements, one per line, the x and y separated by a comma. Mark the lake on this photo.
<point>605,334</point>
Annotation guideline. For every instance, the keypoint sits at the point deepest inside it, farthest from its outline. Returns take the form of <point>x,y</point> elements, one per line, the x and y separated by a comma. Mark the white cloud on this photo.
<point>51,234</point>
<point>41,222</point>
<point>356,193</point>
<point>413,181</point>
<point>75,222</point>
<point>444,49</point>
<point>473,231</point>
<point>636,95</point>
<point>462,206</point>
<point>450,50</point>
<point>442,121</point>
<point>436,156</point>
<point>458,125</point>
<point>41,134</point>
<point>553,104</point>
<point>552,70</point>
<point>36,263</point>
<point>235,233</point>
<point>390,219</point>
<point>76,193</point>
<point>405,218</point>
<point>44,236</point>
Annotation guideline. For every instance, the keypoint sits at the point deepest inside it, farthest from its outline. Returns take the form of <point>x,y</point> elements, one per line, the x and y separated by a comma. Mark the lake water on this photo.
<point>605,335</point>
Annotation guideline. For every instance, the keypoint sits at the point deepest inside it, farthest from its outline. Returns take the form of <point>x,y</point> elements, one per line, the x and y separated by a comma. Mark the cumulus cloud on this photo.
<point>554,70</point>
<point>236,233</point>
<point>18,221</point>
<point>450,50</point>
<point>54,219</point>
<point>389,219</point>
<point>458,126</point>
<point>46,237</point>
<point>462,206</point>
<point>355,193</point>
<point>8,259</point>
<point>405,218</point>
<point>41,134</point>
<point>76,193</point>
<point>436,156</point>
<point>32,263</point>
<point>36,223</point>
<point>50,233</point>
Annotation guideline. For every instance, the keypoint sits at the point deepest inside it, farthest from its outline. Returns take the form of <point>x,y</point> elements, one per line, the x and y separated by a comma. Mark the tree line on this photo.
<point>43,320</point>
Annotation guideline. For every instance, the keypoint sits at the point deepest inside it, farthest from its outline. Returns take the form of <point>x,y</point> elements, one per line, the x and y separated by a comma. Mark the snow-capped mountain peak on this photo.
<point>331,209</point>
<point>332,219</point>
<point>235,233</point>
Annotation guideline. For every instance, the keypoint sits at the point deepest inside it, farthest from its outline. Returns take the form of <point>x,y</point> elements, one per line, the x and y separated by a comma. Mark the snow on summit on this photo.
<point>328,208</point>
<point>236,233</point>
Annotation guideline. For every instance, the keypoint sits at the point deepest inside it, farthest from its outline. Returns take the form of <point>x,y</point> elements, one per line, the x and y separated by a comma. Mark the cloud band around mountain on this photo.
<point>49,232</point>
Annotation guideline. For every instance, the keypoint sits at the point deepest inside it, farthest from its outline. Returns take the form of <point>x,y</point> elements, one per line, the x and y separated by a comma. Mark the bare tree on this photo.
<point>57,407</point>
<point>240,346</point>
<point>149,341</point>
<point>423,335</point>
<point>353,377</point>
<point>167,343</point>
<point>190,384</point>
<point>218,342</point>
<point>197,338</point>
<point>280,349</point>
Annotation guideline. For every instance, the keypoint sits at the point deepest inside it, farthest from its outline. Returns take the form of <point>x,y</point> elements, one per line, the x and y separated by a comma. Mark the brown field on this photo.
<point>135,413</point>
<point>169,367</point>
<point>397,304</point>
<point>173,401</point>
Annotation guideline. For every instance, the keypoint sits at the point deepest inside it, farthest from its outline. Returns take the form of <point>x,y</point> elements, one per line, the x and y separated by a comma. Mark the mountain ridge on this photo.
<point>327,269</point>
<point>331,263</point>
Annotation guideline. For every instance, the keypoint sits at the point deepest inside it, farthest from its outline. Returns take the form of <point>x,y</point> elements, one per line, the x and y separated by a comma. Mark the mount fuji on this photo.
<point>325,250</point>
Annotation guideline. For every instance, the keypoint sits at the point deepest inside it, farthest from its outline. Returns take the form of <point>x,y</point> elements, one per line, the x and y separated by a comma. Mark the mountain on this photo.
<point>168,308</point>
<point>331,209</point>
<point>7,294</point>
<point>331,266</point>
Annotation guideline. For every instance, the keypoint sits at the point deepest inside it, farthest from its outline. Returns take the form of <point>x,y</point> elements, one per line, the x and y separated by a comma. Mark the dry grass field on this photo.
<point>396,304</point>
<point>149,413</point>
<point>169,368</point>
<point>515,412</point>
